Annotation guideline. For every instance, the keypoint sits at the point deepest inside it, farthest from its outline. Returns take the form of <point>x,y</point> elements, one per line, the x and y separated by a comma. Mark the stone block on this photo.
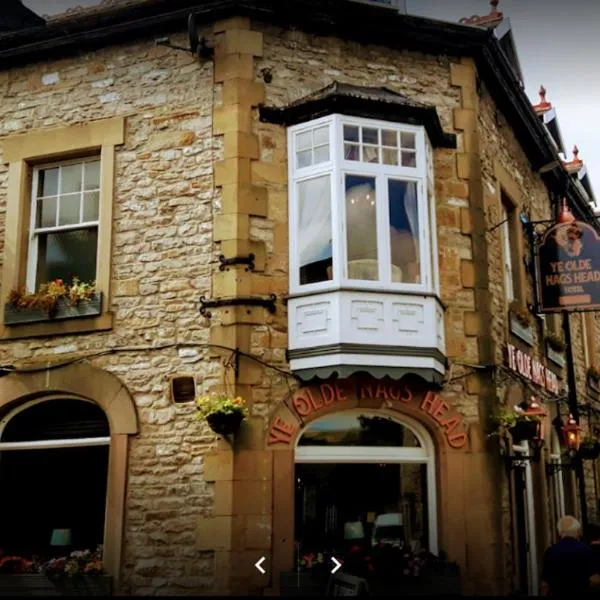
<point>466,224</point>
<point>234,66</point>
<point>244,199</point>
<point>213,533</point>
<point>464,119</point>
<point>462,75</point>
<point>231,226</point>
<point>457,189</point>
<point>259,532</point>
<point>232,118</point>
<point>127,287</point>
<point>467,273</point>
<point>218,466</point>
<point>240,144</point>
<point>223,505</point>
<point>472,324</point>
<point>230,284</point>
<point>252,433</point>
<point>249,315</point>
<point>252,373</point>
<point>243,91</point>
<point>252,497</point>
<point>230,336</point>
<point>232,171</point>
<point>240,41</point>
<point>253,465</point>
<point>269,172</point>
<point>463,166</point>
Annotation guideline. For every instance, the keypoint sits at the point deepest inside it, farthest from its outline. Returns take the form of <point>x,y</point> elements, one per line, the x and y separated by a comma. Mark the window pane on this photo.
<point>68,212</point>
<point>46,213</point>
<point>321,154</point>
<point>351,152</point>
<point>407,140</point>
<point>304,140</point>
<point>321,136</point>
<point>92,175</point>
<point>314,230</point>
<point>390,156</point>
<point>409,159</point>
<point>48,182</point>
<point>361,228</point>
<point>404,232</point>
<point>304,159</point>
<point>370,154</point>
<point>370,136</point>
<point>389,137</point>
<point>65,254</point>
<point>71,179</point>
<point>350,133</point>
<point>90,206</point>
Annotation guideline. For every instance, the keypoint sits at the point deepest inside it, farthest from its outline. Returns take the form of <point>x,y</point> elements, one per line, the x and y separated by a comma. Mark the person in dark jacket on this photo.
<point>593,539</point>
<point>569,567</point>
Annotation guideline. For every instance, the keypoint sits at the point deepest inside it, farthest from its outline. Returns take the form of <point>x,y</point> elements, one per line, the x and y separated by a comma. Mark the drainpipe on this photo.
<point>575,412</point>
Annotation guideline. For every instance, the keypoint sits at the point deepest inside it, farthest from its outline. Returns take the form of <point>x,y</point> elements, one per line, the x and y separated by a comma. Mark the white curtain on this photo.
<point>314,220</point>
<point>412,207</point>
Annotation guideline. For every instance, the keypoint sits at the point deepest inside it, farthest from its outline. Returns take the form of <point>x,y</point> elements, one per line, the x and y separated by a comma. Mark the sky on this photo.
<point>558,42</point>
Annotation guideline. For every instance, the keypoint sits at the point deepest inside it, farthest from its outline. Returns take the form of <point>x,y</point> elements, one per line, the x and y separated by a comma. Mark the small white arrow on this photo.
<point>338,564</point>
<point>259,562</point>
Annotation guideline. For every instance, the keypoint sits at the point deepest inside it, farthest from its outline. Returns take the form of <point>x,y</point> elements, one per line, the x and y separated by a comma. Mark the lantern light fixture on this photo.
<point>572,433</point>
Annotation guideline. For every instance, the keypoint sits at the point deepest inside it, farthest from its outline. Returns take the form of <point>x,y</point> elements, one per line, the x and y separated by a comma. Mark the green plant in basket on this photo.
<point>224,413</point>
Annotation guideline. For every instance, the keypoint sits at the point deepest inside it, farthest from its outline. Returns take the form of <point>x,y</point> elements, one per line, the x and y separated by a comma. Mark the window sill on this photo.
<point>65,310</point>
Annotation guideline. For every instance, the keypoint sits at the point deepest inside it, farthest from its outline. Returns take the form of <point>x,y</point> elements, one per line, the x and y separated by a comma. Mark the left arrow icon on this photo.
<point>258,564</point>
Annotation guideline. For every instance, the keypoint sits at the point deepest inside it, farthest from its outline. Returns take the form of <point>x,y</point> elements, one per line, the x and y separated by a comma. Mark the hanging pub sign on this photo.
<point>568,266</point>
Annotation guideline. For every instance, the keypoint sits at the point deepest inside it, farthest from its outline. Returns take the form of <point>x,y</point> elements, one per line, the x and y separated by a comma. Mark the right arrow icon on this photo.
<point>337,563</point>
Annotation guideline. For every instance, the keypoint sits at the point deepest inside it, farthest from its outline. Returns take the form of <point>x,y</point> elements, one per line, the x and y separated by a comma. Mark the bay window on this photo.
<point>358,206</point>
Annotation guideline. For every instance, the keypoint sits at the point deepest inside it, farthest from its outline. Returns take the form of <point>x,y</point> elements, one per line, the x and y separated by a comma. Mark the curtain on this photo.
<point>314,220</point>
<point>412,207</point>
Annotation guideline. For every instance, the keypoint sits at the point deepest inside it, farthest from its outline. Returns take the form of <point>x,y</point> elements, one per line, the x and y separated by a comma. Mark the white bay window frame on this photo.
<point>337,167</point>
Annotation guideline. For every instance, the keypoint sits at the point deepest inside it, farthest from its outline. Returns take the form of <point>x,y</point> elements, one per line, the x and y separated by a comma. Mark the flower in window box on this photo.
<point>589,449</point>
<point>521,313</point>
<point>521,423</point>
<point>556,342</point>
<point>594,373</point>
<point>223,413</point>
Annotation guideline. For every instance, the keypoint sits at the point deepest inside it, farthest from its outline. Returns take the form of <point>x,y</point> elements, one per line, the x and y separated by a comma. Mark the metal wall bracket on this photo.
<point>206,303</point>
<point>237,260</point>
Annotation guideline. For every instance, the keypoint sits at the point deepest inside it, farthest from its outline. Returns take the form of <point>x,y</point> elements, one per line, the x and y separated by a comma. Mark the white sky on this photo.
<point>558,42</point>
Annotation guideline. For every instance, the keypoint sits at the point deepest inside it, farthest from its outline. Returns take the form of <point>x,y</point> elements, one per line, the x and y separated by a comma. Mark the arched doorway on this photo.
<point>364,480</point>
<point>54,454</point>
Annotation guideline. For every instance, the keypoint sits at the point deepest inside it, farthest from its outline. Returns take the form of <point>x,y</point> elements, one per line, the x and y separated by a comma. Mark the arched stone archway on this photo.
<point>87,382</point>
<point>409,397</point>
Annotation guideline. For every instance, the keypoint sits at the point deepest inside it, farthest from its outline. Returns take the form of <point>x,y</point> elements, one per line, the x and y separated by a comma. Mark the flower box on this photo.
<point>65,310</point>
<point>589,451</point>
<point>523,332</point>
<point>33,584</point>
<point>556,356</point>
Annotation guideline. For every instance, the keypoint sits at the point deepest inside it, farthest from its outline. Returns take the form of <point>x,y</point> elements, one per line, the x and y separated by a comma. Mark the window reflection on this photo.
<point>361,231</point>
<point>404,231</point>
<point>358,430</point>
<point>314,230</point>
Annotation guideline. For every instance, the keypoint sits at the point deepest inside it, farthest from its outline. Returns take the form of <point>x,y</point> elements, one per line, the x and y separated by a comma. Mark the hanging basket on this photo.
<point>225,423</point>
<point>524,431</point>
<point>589,452</point>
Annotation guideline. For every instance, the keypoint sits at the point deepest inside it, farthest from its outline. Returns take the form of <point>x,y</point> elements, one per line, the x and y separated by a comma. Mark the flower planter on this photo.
<point>524,430</point>
<point>303,583</point>
<point>521,330</point>
<point>589,452</point>
<point>33,584</point>
<point>65,310</point>
<point>225,423</point>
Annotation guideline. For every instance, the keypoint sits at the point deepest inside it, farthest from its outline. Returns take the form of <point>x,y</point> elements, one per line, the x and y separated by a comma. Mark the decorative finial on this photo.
<point>566,216</point>
<point>542,94</point>
<point>575,153</point>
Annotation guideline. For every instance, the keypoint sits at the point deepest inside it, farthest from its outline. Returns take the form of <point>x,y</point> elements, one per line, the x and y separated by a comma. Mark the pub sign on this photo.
<point>568,267</point>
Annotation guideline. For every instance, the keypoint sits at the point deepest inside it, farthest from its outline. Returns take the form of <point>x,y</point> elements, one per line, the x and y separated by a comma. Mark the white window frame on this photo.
<point>337,167</point>
<point>425,454</point>
<point>509,282</point>
<point>34,232</point>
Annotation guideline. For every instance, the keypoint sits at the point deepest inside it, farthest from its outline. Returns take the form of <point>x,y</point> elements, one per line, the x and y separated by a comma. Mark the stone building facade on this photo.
<point>194,165</point>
